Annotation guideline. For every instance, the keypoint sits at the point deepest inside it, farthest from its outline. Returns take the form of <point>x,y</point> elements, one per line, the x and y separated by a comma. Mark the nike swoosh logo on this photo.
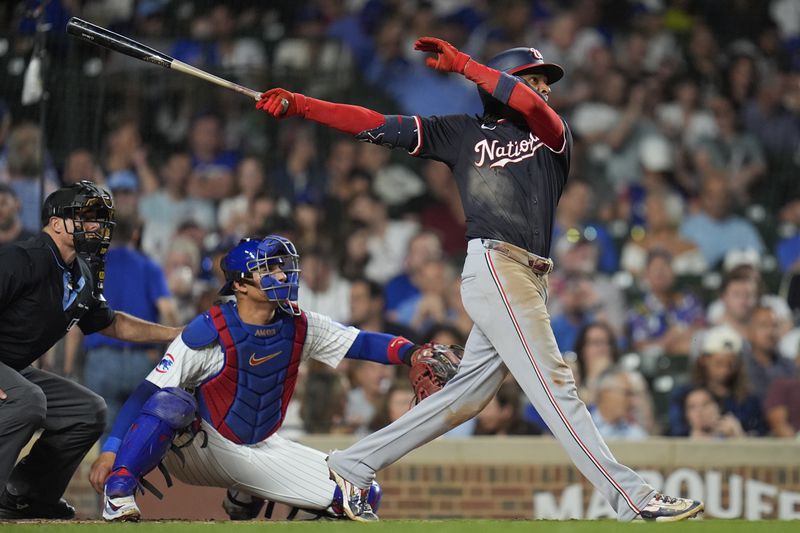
<point>113,507</point>
<point>255,361</point>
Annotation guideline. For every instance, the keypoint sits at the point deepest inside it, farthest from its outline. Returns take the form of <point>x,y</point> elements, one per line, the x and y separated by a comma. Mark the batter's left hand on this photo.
<point>279,103</point>
<point>448,58</point>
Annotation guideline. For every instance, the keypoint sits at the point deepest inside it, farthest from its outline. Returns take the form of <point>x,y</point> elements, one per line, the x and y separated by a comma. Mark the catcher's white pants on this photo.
<point>506,301</point>
<point>277,469</point>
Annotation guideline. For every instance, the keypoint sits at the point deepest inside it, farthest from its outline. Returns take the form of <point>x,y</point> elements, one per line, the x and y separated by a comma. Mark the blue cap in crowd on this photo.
<point>123,180</point>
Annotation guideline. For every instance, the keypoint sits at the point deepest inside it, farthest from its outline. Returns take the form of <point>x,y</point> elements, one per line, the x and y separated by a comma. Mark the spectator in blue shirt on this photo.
<point>714,229</point>
<point>613,412</point>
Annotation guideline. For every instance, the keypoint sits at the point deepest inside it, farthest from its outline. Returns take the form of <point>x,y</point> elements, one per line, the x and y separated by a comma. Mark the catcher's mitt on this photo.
<point>432,366</point>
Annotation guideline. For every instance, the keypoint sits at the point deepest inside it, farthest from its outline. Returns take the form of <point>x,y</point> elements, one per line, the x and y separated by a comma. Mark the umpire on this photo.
<point>48,284</point>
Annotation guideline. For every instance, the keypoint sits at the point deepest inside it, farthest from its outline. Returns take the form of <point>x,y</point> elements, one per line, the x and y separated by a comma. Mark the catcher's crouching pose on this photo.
<point>510,166</point>
<point>240,360</point>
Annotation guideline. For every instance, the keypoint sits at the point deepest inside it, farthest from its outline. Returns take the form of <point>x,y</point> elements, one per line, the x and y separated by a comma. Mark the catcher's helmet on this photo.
<point>83,202</point>
<point>253,255</point>
<point>519,61</point>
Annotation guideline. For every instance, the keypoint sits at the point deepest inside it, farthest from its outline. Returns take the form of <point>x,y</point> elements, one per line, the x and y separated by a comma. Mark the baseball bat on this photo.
<point>125,45</point>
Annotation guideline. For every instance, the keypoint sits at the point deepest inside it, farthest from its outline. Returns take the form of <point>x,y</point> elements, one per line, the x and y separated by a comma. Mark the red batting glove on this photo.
<point>280,103</point>
<point>448,58</point>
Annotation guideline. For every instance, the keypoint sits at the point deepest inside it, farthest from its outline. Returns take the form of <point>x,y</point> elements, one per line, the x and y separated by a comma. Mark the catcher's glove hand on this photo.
<point>432,366</point>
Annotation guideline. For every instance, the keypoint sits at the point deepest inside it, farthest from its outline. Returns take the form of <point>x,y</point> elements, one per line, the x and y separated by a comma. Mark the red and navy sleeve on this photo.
<point>543,121</point>
<point>434,138</point>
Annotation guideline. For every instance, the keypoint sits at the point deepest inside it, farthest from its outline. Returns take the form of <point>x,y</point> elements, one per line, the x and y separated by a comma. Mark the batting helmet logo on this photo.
<point>518,61</point>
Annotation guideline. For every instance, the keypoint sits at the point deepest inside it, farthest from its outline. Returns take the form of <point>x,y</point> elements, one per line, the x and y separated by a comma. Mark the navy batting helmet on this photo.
<point>519,61</point>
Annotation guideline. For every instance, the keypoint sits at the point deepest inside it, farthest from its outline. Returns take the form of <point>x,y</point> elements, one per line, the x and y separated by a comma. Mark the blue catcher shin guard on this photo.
<point>373,499</point>
<point>149,438</point>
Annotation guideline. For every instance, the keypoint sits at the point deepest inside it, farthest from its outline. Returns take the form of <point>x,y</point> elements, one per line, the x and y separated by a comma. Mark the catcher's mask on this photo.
<point>519,61</point>
<point>83,202</point>
<point>262,256</point>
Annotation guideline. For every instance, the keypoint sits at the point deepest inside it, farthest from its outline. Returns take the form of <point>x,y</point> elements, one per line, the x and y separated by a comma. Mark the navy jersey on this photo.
<point>509,181</point>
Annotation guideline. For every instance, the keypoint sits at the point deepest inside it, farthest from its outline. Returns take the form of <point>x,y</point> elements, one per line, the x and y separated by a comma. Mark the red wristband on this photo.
<point>393,351</point>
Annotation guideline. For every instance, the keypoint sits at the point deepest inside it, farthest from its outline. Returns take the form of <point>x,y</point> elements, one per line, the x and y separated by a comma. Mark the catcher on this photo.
<point>230,376</point>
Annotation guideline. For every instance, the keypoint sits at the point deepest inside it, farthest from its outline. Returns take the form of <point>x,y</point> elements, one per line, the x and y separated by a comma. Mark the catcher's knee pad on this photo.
<point>374,496</point>
<point>149,438</point>
<point>172,405</point>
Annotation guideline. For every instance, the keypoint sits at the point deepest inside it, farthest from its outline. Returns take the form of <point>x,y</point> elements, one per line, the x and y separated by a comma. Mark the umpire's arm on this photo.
<point>126,327</point>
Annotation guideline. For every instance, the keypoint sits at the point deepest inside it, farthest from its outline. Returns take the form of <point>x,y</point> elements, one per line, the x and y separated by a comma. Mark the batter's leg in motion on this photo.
<point>479,376</point>
<point>523,337</point>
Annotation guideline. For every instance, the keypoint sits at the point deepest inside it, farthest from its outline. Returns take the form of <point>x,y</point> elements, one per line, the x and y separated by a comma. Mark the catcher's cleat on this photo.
<point>21,508</point>
<point>354,500</point>
<point>241,506</point>
<point>662,508</point>
<point>121,509</point>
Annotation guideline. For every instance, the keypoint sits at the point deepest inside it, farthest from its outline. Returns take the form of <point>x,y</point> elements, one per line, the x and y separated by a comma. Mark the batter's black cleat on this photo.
<point>241,506</point>
<point>662,508</point>
<point>22,508</point>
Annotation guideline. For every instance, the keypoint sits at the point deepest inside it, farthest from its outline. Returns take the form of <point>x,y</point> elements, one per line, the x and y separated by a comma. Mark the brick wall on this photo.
<point>498,478</point>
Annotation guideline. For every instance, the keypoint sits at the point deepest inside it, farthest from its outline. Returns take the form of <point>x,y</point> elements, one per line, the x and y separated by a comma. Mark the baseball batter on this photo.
<point>240,360</point>
<point>510,166</point>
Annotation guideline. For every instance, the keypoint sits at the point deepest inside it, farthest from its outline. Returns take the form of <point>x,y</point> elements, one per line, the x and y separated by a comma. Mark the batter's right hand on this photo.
<point>101,468</point>
<point>448,58</point>
<point>3,395</point>
<point>279,103</point>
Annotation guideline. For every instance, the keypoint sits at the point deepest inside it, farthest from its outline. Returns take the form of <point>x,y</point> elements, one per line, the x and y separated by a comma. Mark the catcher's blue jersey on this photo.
<point>509,181</point>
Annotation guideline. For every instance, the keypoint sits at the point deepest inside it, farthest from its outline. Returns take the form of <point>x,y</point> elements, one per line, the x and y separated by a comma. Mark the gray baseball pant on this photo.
<point>506,301</point>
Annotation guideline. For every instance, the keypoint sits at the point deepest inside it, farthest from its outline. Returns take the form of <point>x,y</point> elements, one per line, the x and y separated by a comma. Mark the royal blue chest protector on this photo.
<point>247,400</point>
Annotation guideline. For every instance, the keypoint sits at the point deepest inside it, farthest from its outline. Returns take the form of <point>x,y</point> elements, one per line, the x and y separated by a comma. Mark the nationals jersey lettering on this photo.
<point>508,180</point>
<point>499,155</point>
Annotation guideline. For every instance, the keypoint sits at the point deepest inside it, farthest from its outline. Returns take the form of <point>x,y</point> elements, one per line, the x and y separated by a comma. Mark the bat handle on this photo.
<point>194,71</point>
<point>255,95</point>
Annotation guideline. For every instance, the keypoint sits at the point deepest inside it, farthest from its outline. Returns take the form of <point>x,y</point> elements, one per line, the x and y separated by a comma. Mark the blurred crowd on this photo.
<point>676,295</point>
